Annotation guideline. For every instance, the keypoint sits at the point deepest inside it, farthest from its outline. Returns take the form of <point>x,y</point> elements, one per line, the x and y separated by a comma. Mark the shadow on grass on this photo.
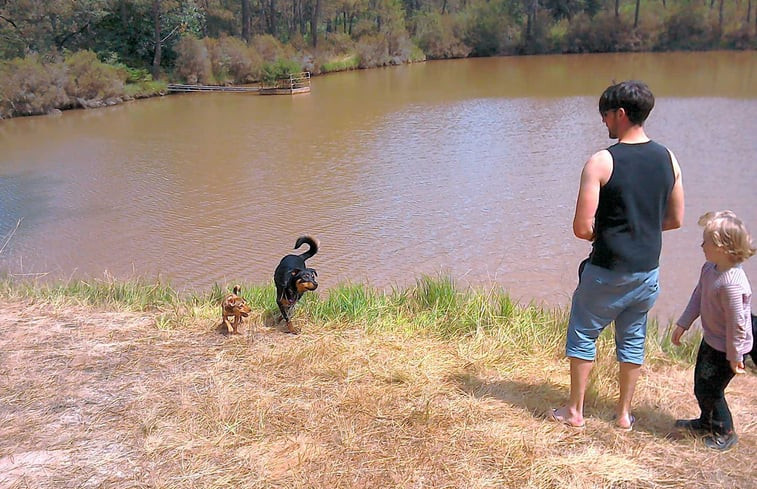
<point>539,399</point>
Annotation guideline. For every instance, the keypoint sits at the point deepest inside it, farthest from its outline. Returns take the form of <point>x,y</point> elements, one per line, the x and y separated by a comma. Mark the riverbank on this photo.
<point>128,385</point>
<point>36,86</point>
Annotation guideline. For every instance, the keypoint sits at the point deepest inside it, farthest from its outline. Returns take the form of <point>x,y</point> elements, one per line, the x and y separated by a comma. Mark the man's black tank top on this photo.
<point>632,204</point>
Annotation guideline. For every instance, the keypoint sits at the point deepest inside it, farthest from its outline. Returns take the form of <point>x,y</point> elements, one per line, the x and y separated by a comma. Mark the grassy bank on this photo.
<point>435,306</point>
<point>113,384</point>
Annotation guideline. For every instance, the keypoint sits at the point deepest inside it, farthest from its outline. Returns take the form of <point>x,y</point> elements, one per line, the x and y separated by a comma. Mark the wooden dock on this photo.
<point>291,85</point>
<point>177,87</point>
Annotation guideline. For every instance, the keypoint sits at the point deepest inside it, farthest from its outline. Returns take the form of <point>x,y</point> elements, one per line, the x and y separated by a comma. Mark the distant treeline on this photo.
<point>89,52</point>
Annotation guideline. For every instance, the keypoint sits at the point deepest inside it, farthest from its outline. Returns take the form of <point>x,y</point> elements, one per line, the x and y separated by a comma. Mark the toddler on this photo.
<point>722,300</point>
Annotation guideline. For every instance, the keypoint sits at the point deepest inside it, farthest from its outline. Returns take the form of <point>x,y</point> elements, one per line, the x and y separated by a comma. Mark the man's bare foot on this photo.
<point>561,416</point>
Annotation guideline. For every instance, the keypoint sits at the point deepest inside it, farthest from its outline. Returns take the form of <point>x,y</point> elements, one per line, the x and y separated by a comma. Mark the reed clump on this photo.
<point>430,386</point>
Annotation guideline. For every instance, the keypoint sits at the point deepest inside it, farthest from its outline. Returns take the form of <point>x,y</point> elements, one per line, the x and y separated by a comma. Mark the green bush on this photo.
<point>91,79</point>
<point>489,31</point>
<point>348,62</point>
<point>193,61</point>
<point>687,28</point>
<point>271,49</point>
<point>243,64</point>
<point>218,61</point>
<point>145,89</point>
<point>373,50</point>
<point>539,40</point>
<point>29,87</point>
<point>440,36</point>
<point>336,43</point>
<point>556,36</point>
<point>740,39</point>
<point>603,33</point>
<point>401,48</point>
<point>281,68</point>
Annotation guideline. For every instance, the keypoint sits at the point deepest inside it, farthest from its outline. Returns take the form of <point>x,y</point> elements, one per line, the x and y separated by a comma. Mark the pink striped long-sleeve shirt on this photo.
<point>722,300</point>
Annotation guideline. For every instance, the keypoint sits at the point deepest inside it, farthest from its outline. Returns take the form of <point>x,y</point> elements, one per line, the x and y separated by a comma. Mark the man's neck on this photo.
<point>634,135</point>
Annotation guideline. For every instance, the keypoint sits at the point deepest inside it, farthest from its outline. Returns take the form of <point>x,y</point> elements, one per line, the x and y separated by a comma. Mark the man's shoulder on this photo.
<point>599,165</point>
<point>601,157</point>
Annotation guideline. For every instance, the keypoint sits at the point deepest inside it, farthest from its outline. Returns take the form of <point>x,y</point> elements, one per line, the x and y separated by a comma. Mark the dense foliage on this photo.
<point>240,41</point>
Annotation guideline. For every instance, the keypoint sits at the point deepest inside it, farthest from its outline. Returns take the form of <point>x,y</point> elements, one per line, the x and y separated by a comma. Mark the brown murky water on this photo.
<point>467,167</point>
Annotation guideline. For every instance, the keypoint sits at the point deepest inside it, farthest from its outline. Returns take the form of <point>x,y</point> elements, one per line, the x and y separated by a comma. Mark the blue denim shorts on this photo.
<point>604,296</point>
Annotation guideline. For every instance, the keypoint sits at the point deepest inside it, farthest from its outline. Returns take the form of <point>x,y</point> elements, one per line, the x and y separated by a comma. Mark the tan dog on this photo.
<point>236,307</point>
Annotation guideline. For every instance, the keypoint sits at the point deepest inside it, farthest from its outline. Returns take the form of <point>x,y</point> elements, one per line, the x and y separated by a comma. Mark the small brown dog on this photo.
<point>234,306</point>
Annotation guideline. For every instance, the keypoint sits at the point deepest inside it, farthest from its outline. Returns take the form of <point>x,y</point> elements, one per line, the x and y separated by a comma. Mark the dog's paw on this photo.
<point>291,329</point>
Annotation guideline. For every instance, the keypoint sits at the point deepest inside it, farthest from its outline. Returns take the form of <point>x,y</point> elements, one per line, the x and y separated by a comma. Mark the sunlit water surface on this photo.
<point>467,167</point>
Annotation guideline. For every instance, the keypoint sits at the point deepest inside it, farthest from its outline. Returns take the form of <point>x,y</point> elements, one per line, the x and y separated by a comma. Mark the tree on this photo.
<point>531,10</point>
<point>314,22</point>
<point>171,17</point>
<point>157,39</point>
<point>44,27</point>
<point>246,21</point>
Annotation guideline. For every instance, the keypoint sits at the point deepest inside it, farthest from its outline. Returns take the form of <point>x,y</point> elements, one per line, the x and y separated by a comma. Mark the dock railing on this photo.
<point>291,82</point>
<point>294,83</point>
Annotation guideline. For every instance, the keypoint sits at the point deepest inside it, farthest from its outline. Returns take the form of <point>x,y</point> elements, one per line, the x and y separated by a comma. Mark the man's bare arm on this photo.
<point>596,173</point>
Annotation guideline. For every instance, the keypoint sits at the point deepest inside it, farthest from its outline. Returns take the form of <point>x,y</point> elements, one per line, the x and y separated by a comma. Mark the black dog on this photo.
<point>293,278</point>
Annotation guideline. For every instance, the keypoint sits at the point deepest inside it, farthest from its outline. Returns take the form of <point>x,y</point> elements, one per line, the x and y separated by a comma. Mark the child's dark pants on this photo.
<point>711,376</point>
<point>753,353</point>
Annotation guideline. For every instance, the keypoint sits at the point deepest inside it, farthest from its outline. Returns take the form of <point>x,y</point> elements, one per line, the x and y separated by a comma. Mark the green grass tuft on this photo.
<point>434,306</point>
<point>351,62</point>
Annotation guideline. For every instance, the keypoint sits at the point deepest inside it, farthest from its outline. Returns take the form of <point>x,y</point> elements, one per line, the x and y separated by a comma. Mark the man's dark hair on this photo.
<point>633,96</point>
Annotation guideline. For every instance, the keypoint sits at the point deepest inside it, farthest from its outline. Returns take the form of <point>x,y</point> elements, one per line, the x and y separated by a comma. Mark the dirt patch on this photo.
<point>92,399</point>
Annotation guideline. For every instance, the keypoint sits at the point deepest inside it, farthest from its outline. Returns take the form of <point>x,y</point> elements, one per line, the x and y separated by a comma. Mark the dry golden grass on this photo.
<point>95,398</point>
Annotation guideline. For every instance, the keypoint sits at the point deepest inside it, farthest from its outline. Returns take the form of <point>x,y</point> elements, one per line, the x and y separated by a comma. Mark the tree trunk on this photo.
<point>617,8</point>
<point>271,20</point>
<point>158,42</point>
<point>314,22</point>
<point>720,18</point>
<point>123,13</point>
<point>531,20</point>
<point>246,20</point>
<point>636,15</point>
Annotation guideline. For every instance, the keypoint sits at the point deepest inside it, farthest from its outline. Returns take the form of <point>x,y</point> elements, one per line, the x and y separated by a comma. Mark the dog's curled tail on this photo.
<point>310,242</point>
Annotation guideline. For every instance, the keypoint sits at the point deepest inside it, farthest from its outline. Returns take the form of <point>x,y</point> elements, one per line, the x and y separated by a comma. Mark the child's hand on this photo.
<point>676,336</point>
<point>737,367</point>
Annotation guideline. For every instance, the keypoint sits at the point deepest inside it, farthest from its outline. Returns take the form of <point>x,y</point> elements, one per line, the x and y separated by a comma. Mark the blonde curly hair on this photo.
<point>729,234</point>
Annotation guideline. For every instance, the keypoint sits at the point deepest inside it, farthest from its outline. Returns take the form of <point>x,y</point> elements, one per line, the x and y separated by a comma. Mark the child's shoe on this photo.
<point>692,425</point>
<point>721,443</point>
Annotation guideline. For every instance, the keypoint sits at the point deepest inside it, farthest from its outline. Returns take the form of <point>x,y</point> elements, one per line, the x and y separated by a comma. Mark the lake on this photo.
<point>464,167</point>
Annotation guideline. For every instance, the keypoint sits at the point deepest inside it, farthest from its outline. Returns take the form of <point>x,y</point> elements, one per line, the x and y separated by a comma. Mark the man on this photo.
<point>629,193</point>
